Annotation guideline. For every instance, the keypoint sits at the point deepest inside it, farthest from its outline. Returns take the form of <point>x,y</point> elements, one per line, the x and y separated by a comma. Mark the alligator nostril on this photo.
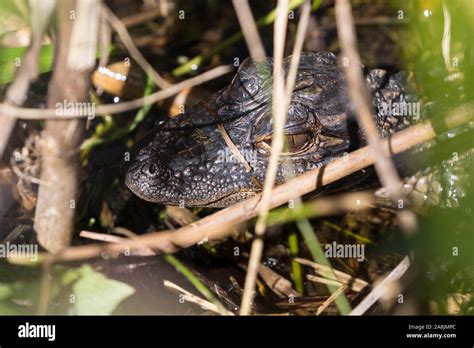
<point>155,170</point>
<point>152,169</point>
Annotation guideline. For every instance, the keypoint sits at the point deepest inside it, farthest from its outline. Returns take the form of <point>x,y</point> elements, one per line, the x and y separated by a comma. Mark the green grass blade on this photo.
<point>203,290</point>
<point>295,266</point>
<point>11,57</point>
<point>317,254</point>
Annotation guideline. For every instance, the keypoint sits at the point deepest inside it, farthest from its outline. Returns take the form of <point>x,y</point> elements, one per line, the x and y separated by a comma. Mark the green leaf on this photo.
<point>317,253</point>
<point>198,284</point>
<point>316,4</point>
<point>10,56</point>
<point>180,267</point>
<point>296,271</point>
<point>96,294</point>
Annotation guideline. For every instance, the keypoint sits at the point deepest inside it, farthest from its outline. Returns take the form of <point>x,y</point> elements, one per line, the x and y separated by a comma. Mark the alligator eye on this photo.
<point>294,144</point>
<point>297,142</point>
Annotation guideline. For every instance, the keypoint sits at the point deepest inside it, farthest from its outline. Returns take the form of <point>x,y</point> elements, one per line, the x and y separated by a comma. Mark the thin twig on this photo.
<point>382,288</point>
<point>279,284</point>
<point>257,52</point>
<point>115,239</point>
<point>29,178</point>
<point>331,299</point>
<point>323,280</point>
<point>279,120</point>
<point>103,237</point>
<point>196,299</point>
<point>280,102</point>
<point>446,41</point>
<point>344,278</point>
<point>121,30</point>
<point>107,109</point>
<point>360,97</point>
<point>249,30</point>
<point>299,41</point>
<point>139,18</point>
<point>324,206</point>
<point>236,286</point>
<point>372,21</point>
<point>230,144</point>
<point>105,39</point>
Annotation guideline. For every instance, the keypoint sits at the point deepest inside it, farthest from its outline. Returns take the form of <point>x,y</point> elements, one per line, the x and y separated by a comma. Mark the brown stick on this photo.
<point>250,30</point>
<point>331,299</point>
<point>121,30</point>
<point>139,18</point>
<point>60,140</point>
<point>51,113</point>
<point>342,278</point>
<point>361,99</point>
<point>279,113</point>
<point>114,239</point>
<point>196,299</point>
<point>381,289</point>
<point>216,227</point>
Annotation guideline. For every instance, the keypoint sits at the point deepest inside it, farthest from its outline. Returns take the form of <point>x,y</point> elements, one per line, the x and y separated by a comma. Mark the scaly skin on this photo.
<point>188,162</point>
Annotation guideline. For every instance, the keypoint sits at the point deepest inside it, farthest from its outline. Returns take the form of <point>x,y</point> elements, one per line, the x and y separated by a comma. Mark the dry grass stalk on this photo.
<point>105,109</point>
<point>142,17</point>
<point>382,287</point>
<point>360,96</point>
<point>279,120</point>
<point>121,30</point>
<point>115,239</point>
<point>323,280</point>
<point>280,102</point>
<point>356,284</point>
<point>331,299</point>
<point>187,296</point>
<point>280,285</point>
<point>249,30</point>
<point>105,39</point>
<point>298,47</point>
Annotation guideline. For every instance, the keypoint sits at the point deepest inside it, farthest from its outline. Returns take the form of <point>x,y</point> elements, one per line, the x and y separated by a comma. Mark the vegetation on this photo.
<point>430,40</point>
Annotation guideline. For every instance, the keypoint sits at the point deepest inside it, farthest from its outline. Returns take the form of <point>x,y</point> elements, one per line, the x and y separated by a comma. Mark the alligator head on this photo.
<point>189,161</point>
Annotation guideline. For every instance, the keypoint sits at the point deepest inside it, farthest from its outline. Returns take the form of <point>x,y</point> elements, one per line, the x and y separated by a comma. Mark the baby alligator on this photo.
<point>189,161</point>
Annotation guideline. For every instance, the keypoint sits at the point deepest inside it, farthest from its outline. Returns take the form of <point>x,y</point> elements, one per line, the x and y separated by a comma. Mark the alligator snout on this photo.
<point>145,175</point>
